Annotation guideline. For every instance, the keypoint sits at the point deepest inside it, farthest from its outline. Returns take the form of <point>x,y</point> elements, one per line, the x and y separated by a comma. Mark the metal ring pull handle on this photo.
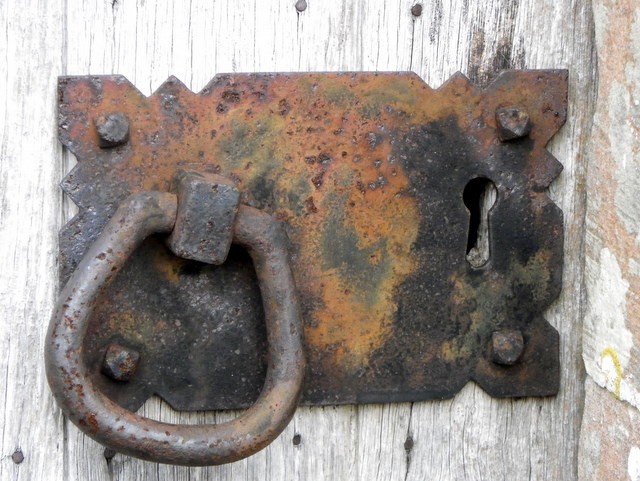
<point>138,217</point>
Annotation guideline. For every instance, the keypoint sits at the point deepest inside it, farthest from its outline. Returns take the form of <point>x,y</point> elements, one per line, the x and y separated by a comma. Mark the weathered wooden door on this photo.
<point>471,437</point>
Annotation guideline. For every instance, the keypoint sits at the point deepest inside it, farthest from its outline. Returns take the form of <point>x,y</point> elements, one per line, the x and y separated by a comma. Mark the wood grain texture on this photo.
<point>609,437</point>
<point>31,45</point>
<point>610,433</point>
<point>612,322</point>
<point>470,437</point>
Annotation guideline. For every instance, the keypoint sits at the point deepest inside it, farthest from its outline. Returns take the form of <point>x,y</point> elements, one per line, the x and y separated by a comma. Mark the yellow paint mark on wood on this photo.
<point>611,353</point>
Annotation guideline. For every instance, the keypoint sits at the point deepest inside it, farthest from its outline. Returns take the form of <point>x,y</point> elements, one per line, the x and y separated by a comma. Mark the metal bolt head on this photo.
<point>109,454</point>
<point>513,123</point>
<point>120,363</point>
<point>416,10</point>
<point>507,347</point>
<point>301,5</point>
<point>17,457</point>
<point>113,130</point>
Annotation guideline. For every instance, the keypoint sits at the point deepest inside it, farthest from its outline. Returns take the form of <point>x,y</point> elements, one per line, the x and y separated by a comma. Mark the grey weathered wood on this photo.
<point>31,47</point>
<point>470,437</point>
<point>610,433</point>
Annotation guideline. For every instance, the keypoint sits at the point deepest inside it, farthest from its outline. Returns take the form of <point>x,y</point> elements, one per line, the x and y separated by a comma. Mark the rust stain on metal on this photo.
<point>367,172</point>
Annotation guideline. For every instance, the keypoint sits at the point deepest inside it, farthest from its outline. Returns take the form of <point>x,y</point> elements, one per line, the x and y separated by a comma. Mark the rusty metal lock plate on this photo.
<point>369,174</point>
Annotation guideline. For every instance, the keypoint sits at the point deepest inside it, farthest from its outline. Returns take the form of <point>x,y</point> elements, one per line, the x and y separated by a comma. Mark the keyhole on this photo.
<point>479,196</point>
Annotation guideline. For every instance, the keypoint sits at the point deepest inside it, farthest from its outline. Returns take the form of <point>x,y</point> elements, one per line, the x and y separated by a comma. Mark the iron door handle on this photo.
<point>138,217</point>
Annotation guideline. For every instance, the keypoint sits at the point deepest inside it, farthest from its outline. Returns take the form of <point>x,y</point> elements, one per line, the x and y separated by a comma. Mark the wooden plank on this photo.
<point>609,444</point>
<point>32,47</point>
<point>470,437</point>
<point>609,437</point>
<point>612,324</point>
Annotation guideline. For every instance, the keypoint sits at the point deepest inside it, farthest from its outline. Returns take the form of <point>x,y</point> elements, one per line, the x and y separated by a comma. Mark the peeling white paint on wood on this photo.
<point>470,437</point>
<point>608,342</point>
<point>633,464</point>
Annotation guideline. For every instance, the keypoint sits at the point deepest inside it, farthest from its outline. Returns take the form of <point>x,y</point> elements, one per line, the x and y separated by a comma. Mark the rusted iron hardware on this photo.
<point>138,217</point>
<point>378,181</point>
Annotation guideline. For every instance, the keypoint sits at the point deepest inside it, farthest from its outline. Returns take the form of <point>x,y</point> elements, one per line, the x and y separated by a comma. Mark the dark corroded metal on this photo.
<point>416,10</point>
<point>507,347</point>
<point>120,363</point>
<point>84,401</point>
<point>207,207</point>
<point>113,130</point>
<point>513,123</point>
<point>367,173</point>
